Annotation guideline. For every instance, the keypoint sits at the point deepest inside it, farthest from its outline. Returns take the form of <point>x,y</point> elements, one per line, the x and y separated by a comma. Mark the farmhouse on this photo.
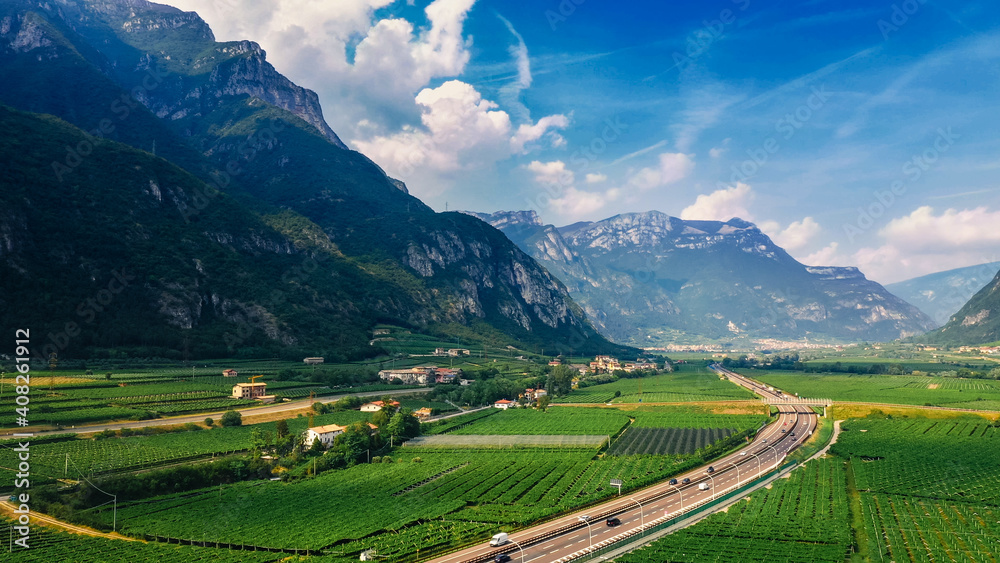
<point>446,375</point>
<point>325,434</point>
<point>229,373</point>
<point>456,352</point>
<point>249,390</point>
<point>422,413</point>
<point>420,374</point>
<point>312,361</point>
<point>503,404</point>
<point>376,406</point>
<point>605,364</point>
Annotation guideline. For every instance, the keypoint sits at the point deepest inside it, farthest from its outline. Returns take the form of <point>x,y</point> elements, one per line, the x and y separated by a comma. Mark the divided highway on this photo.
<point>569,537</point>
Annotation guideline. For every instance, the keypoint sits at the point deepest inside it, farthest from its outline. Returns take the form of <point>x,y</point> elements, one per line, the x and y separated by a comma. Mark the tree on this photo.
<point>281,428</point>
<point>209,422</point>
<point>543,402</point>
<point>404,424</point>
<point>232,418</point>
<point>560,380</point>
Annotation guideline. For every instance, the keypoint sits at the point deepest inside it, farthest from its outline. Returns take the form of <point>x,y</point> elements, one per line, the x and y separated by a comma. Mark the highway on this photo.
<point>568,537</point>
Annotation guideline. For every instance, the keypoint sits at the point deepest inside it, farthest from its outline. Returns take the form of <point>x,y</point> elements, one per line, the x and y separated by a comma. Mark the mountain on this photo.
<point>648,278</point>
<point>942,294</point>
<point>977,322</point>
<point>259,187</point>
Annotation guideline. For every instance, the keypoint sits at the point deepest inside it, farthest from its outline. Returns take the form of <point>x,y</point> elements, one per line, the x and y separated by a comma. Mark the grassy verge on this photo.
<point>844,411</point>
<point>819,439</point>
<point>861,551</point>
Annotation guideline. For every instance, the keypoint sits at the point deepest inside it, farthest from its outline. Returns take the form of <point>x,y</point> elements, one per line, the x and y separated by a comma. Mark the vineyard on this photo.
<point>928,490</point>
<point>667,441</point>
<point>801,519</point>
<point>952,392</point>
<point>89,456</point>
<point>677,387</point>
<point>499,441</point>
<point>47,545</point>
<point>496,488</point>
<point>553,421</point>
<point>684,416</point>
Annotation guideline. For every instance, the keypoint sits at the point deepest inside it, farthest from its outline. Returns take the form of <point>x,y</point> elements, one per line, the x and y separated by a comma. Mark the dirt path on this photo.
<point>7,509</point>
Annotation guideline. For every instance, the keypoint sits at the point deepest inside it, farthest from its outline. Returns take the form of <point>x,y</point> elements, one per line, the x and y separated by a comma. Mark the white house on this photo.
<point>325,434</point>
<point>503,404</point>
<point>376,406</point>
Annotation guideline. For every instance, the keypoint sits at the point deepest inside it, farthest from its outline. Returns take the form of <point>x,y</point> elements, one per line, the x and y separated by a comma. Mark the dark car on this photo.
<point>613,522</point>
<point>672,482</point>
<point>686,481</point>
<point>502,558</point>
<point>711,469</point>
<point>782,430</point>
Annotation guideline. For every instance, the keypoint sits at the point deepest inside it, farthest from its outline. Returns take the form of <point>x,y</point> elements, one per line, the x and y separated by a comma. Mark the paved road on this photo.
<point>568,537</point>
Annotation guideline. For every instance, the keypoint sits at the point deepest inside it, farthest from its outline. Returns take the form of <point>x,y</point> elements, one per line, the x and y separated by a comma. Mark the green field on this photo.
<point>927,490</point>
<point>88,456</point>
<point>639,441</point>
<point>979,394</point>
<point>552,421</point>
<point>800,519</point>
<point>687,385</point>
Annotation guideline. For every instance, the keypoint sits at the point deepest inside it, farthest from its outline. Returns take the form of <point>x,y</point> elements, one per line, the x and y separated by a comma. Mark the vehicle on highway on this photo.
<point>711,469</point>
<point>685,481</point>
<point>498,539</point>
<point>611,522</point>
<point>502,558</point>
<point>672,482</point>
<point>703,487</point>
<point>743,453</point>
<point>782,430</point>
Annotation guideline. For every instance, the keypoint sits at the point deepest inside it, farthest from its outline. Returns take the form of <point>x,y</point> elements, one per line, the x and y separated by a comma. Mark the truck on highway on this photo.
<point>498,539</point>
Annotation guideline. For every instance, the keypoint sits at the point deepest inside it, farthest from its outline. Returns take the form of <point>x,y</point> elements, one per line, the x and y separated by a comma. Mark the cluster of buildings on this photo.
<point>609,364</point>
<point>452,352</point>
<point>327,433</point>
<point>529,395</point>
<point>421,375</point>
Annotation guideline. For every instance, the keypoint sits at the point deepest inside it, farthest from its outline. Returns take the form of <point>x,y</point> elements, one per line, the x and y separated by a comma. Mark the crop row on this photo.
<point>801,519</point>
<point>661,441</point>
<point>686,386</point>
<point>561,420</point>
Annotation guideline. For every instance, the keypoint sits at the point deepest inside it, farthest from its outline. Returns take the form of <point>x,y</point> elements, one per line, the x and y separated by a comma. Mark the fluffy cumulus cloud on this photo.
<point>672,168</point>
<point>596,178</point>
<point>793,237</point>
<point>722,205</point>
<point>380,100</point>
<point>926,241</point>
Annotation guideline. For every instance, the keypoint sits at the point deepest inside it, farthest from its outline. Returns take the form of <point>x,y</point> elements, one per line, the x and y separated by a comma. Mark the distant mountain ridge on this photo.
<point>942,294</point>
<point>649,278</point>
<point>977,322</point>
<point>255,145</point>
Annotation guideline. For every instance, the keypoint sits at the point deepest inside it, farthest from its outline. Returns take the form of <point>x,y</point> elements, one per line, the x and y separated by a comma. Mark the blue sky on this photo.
<point>854,133</point>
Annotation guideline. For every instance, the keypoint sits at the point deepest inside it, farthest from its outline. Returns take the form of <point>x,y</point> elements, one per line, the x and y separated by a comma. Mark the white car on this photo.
<point>743,453</point>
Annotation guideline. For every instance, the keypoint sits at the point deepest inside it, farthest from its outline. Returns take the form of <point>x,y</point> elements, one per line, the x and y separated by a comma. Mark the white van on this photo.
<point>703,487</point>
<point>498,539</point>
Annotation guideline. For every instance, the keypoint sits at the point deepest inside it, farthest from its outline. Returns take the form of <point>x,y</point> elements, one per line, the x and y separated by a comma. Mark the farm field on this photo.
<point>978,394</point>
<point>553,421</point>
<point>485,442</point>
<point>49,545</point>
<point>688,384</point>
<point>427,498</point>
<point>928,490</point>
<point>804,518</point>
<point>665,441</point>
<point>89,457</point>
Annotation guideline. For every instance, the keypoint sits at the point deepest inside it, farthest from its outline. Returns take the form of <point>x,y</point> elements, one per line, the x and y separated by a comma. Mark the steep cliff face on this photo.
<point>652,278</point>
<point>942,294</point>
<point>153,77</point>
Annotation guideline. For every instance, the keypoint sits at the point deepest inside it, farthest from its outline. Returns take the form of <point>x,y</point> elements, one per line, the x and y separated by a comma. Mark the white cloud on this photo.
<point>596,178</point>
<point>722,205</point>
<point>797,235</point>
<point>461,131</point>
<point>721,150</point>
<point>925,242</point>
<point>829,255</point>
<point>673,167</point>
<point>574,204</point>
<point>552,173</point>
